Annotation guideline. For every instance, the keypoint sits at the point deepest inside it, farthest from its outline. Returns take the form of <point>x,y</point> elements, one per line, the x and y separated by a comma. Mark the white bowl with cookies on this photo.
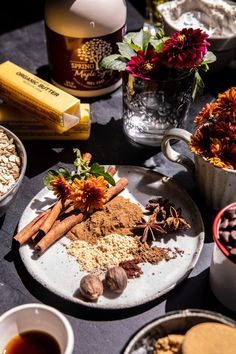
<point>189,331</point>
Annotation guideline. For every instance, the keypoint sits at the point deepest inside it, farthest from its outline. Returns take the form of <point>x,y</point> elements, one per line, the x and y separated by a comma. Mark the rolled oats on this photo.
<point>10,163</point>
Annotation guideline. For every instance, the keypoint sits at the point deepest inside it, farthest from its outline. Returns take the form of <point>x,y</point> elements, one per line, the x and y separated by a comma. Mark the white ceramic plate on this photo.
<point>52,266</point>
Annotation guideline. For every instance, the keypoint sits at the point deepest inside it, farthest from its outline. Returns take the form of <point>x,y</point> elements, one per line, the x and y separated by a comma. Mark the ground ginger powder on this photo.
<point>109,250</point>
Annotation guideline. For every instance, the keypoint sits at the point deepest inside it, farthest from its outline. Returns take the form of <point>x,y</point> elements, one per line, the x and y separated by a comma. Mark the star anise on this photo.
<point>175,221</point>
<point>159,206</point>
<point>150,227</point>
<point>156,203</point>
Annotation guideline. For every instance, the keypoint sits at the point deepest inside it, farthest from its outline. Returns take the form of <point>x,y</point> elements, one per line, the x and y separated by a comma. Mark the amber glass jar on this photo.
<point>79,34</point>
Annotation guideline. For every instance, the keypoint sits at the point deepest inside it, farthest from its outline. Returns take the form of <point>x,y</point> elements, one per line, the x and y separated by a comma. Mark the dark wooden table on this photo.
<point>98,332</point>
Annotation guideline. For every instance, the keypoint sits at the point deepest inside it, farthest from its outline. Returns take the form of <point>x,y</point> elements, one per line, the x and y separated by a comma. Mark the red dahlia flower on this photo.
<point>143,64</point>
<point>185,49</point>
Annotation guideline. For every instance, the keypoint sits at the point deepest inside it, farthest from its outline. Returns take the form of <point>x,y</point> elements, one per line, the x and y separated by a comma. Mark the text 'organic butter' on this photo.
<point>56,108</point>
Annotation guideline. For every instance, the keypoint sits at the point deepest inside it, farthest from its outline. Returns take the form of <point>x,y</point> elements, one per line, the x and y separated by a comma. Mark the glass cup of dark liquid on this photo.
<point>35,329</point>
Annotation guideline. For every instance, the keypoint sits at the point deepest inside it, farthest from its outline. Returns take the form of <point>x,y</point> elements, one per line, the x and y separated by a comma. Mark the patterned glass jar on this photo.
<point>151,107</point>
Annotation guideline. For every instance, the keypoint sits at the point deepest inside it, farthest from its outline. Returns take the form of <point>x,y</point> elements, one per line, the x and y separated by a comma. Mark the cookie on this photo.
<point>170,344</point>
<point>210,338</point>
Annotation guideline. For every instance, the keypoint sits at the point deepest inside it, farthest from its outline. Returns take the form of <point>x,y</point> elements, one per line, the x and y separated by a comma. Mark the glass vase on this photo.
<point>151,107</point>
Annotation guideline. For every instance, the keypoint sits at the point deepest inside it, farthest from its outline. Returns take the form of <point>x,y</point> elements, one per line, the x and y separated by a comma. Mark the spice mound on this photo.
<point>117,216</point>
<point>115,249</point>
<point>109,250</point>
<point>132,268</point>
<point>107,238</point>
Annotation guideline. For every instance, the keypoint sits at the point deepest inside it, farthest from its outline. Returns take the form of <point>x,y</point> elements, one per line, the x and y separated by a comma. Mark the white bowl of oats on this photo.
<point>13,161</point>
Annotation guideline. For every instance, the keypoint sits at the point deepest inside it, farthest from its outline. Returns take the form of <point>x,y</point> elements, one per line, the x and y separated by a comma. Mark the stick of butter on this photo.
<point>24,125</point>
<point>26,91</point>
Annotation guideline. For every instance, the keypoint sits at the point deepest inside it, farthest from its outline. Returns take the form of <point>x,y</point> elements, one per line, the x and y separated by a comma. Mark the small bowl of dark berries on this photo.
<point>223,264</point>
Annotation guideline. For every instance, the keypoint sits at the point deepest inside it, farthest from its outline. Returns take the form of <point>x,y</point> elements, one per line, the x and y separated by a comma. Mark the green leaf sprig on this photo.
<point>132,43</point>
<point>83,170</point>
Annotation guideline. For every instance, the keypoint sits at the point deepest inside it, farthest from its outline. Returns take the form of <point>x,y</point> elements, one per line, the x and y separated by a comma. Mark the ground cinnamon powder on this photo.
<point>117,216</point>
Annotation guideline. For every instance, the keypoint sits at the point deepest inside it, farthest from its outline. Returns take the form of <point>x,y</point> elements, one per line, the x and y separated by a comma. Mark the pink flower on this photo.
<point>185,49</point>
<point>143,65</point>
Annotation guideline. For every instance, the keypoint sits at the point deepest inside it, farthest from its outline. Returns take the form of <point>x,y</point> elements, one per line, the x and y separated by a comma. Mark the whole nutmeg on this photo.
<point>116,279</point>
<point>91,287</point>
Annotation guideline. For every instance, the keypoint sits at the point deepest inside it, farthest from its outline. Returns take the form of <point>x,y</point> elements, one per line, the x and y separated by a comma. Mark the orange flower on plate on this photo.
<point>90,193</point>
<point>60,186</point>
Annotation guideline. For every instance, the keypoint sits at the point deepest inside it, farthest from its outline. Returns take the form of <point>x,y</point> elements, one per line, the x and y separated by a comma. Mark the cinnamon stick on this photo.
<point>66,224</point>
<point>111,170</point>
<point>35,238</point>
<point>42,223</point>
<point>57,208</point>
<point>30,229</point>
<point>51,218</point>
<point>113,191</point>
<point>58,231</point>
<point>87,157</point>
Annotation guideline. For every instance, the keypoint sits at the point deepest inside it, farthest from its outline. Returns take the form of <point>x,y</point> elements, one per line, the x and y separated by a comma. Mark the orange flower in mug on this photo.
<point>90,193</point>
<point>218,162</point>
<point>215,134</point>
<point>199,143</point>
<point>216,146</point>
<point>207,114</point>
<point>225,105</point>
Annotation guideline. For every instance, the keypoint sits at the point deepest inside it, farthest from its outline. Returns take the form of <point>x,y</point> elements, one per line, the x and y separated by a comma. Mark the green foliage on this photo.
<point>97,170</point>
<point>83,170</point>
<point>132,43</point>
<point>113,62</point>
<point>48,178</point>
<point>126,51</point>
<point>198,85</point>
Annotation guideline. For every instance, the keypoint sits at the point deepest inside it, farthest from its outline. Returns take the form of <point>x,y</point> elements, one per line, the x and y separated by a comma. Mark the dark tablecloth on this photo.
<point>99,332</point>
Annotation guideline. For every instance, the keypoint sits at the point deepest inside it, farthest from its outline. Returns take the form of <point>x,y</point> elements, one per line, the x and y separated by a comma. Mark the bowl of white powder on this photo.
<point>13,161</point>
<point>217,18</point>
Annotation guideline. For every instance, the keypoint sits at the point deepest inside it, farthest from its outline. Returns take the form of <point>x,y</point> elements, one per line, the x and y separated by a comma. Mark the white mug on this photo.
<point>216,185</point>
<point>36,317</point>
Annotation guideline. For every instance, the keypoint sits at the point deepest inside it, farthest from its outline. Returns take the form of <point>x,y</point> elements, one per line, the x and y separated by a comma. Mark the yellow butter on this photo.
<point>24,125</point>
<point>48,103</point>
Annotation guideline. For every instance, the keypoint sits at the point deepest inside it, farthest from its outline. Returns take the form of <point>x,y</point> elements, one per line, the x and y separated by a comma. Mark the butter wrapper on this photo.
<point>53,106</point>
<point>24,125</point>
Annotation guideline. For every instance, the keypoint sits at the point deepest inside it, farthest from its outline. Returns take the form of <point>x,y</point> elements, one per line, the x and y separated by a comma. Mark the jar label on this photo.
<point>74,61</point>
